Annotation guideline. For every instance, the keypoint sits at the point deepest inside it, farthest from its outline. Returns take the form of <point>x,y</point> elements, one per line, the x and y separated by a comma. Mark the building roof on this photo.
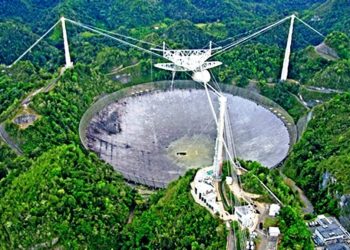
<point>330,231</point>
<point>204,188</point>
<point>274,231</point>
<point>330,228</point>
<point>244,210</point>
<point>338,246</point>
<point>274,209</point>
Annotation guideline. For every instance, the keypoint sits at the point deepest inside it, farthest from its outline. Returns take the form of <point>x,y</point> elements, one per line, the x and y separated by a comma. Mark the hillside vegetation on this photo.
<point>67,199</point>
<point>61,111</point>
<point>15,38</point>
<point>323,148</point>
<point>142,13</point>
<point>71,200</point>
<point>331,15</point>
<point>337,74</point>
<point>174,221</point>
<point>57,195</point>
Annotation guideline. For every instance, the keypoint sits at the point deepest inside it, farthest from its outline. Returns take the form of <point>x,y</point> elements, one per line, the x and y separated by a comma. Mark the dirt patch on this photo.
<point>25,118</point>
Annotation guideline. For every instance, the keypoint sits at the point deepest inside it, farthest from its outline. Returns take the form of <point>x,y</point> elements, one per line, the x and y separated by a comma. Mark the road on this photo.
<point>323,90</point>
<point>308,207</point>
<point>231,241</point>
<point>301,100</point>
<point>46,89</point>
<point>6,138</point>
<point>26,101</point>
<point>29,97</point>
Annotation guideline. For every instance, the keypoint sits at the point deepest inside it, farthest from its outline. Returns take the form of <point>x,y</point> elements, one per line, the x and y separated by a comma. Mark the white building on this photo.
<point>205,191</point>
<point>274,210</point>
<point>229,180</point>
<point>274,231</point>
<point>245,216</point>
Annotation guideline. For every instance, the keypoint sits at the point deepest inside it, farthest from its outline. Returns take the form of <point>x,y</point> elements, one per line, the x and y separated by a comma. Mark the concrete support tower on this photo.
<point>284,73</point>
<point>219,145</point>
<point>69,63</point>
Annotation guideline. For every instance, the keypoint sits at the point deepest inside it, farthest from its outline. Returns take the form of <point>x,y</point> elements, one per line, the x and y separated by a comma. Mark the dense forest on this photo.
<point>68,197</point>
<point>172,220</point>
<point>58,195</point>
<point>324,148</point>
<point>141,13</point>
<point>86,203</point>
<point>331,14</point>
<point>61,110</point>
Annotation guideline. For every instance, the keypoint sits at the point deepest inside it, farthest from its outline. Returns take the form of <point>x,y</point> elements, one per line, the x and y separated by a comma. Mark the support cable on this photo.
<point>113,38</point>
<point>231,145</point>
<point>123,36</point>
<point>215,82</point>
<point>34,44</point>
<point>243,33</point>
<point>211,103</point>
<point>151,68</point>
<point>218,93</point>
<point>255,34</point>
<point>310,27</point>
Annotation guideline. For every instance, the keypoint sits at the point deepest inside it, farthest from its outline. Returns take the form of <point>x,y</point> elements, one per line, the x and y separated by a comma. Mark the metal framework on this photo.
<point>187,60</point>
<point>177,68</point>
<point>195,60</point>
